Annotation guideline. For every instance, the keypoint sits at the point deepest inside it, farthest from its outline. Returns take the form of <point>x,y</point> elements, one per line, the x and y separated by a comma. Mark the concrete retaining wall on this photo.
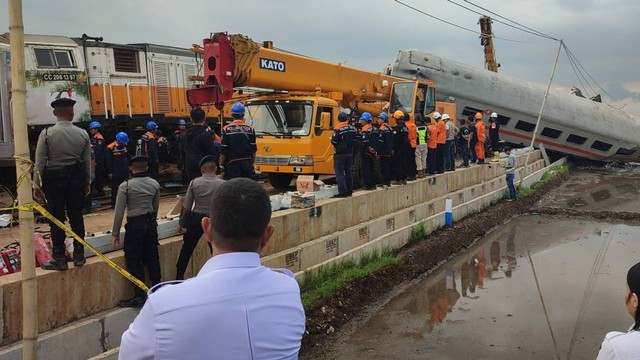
<point>303,239</point>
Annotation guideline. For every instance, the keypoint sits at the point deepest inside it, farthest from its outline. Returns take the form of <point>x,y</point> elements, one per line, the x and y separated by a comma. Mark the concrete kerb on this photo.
<point>81,340</point>
<point>400,236</point>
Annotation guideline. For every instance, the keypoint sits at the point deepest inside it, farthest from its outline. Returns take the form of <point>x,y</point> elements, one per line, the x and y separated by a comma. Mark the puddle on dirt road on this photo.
<point>604,189</point>
<point>537,288</point>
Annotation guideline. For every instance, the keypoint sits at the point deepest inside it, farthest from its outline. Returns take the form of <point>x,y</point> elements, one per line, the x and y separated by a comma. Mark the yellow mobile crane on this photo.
<point>486,40</point>
<point>294,121</point>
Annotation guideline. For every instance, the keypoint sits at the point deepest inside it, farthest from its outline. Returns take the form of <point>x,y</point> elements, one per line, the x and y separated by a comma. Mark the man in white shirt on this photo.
<point>234,308</point>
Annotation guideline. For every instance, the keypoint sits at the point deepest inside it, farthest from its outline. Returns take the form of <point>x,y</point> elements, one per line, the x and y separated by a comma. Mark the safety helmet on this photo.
<point>366,116</point>
<point>398,115</point>
<point>478,116</point>
<point>237,109</point>
<point>436,115</point>
<point>94,125</point>
<point>384,116</point>
<point>445,117</point>
<point>494,115</point>
<point>342,116</point>
<point>122,137</point>
<point>182,122</point>
<point>151,125</point>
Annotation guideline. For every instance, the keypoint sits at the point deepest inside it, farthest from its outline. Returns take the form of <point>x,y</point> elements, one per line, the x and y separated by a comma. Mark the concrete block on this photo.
<point>377,228</point>
<point>115,325</point>
<point>352,238</point>
<point>317,251</point>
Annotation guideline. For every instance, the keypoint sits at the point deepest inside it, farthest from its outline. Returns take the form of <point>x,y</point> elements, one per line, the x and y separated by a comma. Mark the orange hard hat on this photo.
<point>398,115</point>
<point>478,116</point>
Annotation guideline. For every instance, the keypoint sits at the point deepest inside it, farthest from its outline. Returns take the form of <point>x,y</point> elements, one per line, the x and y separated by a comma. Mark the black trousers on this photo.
<point>368,166</point>
<point>400,164</point>
<point>411,163</point>
<point>239,168</point>
<point>141,249</point>
<point>385,169</point>
<point>189,242</point>
<point>431,161</point>
<point>153,169</point>
<point>65,198</point>
<point>116,180</point>
<point>98,184</point>
<point>440,157</point>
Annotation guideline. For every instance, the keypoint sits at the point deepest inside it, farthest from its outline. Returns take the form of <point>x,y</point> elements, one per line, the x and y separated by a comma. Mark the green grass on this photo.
<point>525,191</point>
<point>328,279</point>
<point>418,232</point>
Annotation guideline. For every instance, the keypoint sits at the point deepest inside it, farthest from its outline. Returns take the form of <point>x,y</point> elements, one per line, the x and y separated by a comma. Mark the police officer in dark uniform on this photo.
<point>176,146</point>
<point>149,148</point>
<point>344,139</point>
<point>401,147</point>
<point>369,153</point>
<point>196,143</point>
<point>140,196</point>
<point>195,207</point>
<point>63,159</point>
<point>238,148</point>
<point>117,163</point>
<point>385,148</point>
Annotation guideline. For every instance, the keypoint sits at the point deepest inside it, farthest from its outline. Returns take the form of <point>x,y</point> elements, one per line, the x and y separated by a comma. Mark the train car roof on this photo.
<point>30,39</point>
<point>165,49</point>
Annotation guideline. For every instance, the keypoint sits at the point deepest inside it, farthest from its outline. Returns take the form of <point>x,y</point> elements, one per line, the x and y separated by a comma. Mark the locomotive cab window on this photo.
<point>54,59</point>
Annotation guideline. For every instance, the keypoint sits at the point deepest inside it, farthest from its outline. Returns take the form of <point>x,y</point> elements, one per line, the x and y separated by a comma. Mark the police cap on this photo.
<point>137,159</point>
<point>62,102</point>
<point>208,159</point>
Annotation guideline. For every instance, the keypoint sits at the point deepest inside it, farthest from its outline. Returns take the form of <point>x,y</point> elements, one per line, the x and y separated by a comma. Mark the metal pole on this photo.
<point>19,115</point>
<point>544,100</point>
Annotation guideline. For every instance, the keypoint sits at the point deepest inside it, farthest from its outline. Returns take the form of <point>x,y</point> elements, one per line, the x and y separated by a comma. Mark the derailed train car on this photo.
<point>120,85</point>
<point>570,124</point>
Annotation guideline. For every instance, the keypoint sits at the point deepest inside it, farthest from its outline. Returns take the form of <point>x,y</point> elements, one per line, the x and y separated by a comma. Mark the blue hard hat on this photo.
<point>384,116</point>
<point>343,115</point>
<point>237,109</point>
<point>182,122</point>
<point>151,125</point>
<point>366,116</point>
<point>122,137</point>
<point>94,125</point>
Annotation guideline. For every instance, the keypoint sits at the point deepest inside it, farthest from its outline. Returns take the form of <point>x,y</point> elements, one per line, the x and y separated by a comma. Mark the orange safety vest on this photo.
<point>442,132</point>
<point>413,133</point>
<point>433,136</point>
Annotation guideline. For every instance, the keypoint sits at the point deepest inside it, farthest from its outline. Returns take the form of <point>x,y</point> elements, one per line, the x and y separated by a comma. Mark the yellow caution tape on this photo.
<point>46,214</point>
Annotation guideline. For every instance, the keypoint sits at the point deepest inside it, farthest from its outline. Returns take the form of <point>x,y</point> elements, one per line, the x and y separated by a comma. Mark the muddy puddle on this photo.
<point>539,287</point>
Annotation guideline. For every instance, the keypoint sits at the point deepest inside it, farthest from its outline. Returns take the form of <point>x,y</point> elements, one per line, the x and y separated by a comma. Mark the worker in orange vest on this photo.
<point>442,142</point>
<point>480,128</point>
<point>413,141</point>
<point>432,146</point>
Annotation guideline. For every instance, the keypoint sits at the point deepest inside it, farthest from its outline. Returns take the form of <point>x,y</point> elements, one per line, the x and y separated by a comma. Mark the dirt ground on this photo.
<point>333,312</point>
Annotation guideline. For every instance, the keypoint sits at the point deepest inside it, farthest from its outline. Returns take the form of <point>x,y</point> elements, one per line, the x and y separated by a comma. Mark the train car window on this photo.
<point>44,58</point>
<point>576,139</point>
<point>525,126</point>
<point>503,120</point>
<point>126,60</point>
<point>551,133</point>
<point>53,59</point>
<point>602,146</point>
<point>625,151</point>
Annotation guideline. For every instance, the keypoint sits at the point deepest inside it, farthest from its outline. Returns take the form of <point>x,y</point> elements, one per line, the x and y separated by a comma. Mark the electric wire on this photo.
<point>585,70</point>
<point>539,33</point>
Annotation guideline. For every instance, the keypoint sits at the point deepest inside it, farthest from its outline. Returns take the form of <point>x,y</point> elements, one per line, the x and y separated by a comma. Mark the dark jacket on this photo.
<point>197,142</point>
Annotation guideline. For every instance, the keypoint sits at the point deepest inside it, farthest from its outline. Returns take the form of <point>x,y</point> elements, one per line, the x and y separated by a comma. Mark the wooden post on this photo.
<point>19,115</point>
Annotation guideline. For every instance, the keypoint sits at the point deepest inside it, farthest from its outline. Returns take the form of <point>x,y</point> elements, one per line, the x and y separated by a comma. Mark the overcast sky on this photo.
<point>368,33</point>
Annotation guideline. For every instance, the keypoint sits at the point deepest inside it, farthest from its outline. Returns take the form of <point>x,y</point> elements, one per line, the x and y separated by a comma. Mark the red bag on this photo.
<point>4,268</point>
<point>42,249</point>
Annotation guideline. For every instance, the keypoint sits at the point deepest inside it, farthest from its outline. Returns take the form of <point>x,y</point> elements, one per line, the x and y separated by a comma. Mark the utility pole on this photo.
<point>486,40</point>
<point>23,172</point>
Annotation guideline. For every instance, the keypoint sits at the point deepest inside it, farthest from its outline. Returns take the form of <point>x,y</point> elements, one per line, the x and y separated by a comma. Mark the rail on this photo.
<point>128,86</point>
<point>104,99</point>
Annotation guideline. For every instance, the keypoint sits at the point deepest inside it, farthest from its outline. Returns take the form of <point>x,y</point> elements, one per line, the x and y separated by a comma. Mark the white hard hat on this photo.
<point>445,117</point>
<point>436,115</point>
<point>494,115</point>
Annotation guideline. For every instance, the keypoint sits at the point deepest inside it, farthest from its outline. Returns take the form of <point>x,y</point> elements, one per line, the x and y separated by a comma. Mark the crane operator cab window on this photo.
<point>281,118</point>
<point>412,97</point>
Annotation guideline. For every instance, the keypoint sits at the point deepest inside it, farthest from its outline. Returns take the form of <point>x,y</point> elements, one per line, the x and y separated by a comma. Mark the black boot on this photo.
<point>59,262</point>
<point>78,254</point>
<point>134,302</point>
